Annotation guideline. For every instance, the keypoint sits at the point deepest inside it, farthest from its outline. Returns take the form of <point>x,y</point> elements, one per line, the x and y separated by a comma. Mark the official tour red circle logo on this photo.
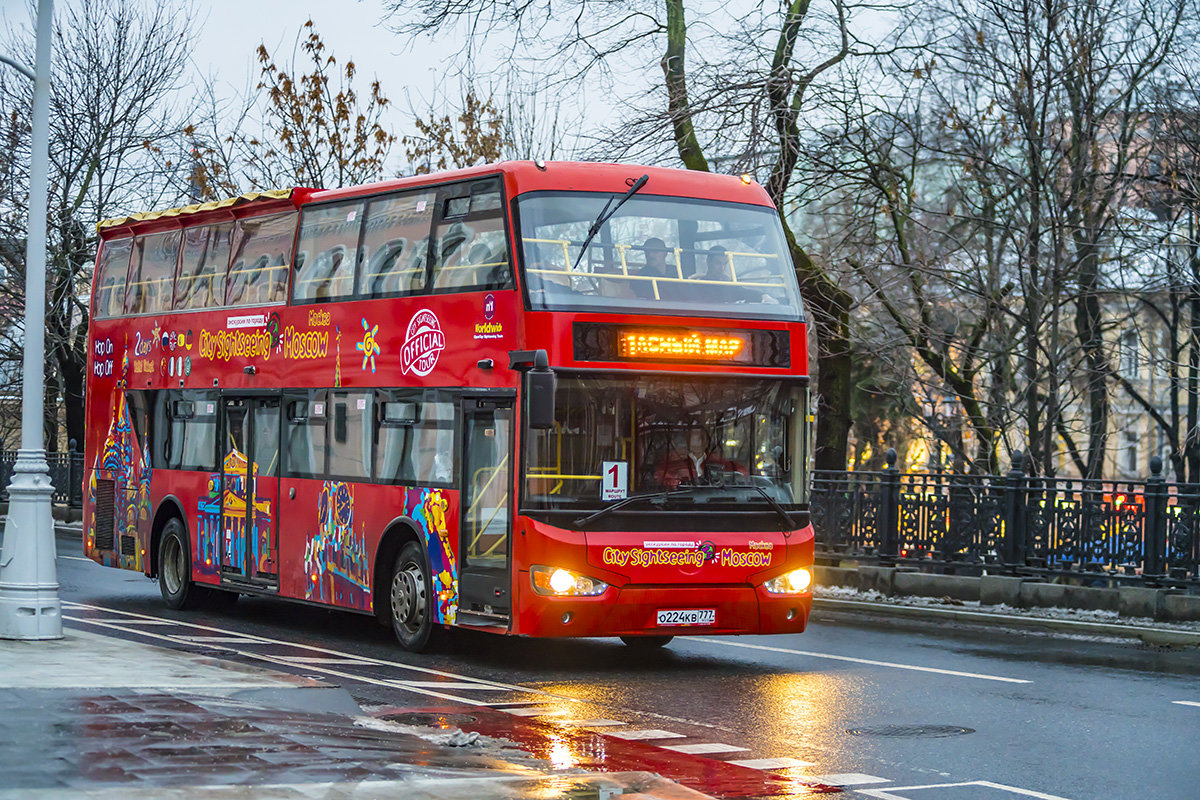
<point>423,343</point>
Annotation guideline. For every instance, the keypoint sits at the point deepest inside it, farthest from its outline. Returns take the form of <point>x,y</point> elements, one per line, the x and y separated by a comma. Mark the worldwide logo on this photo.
<point>423,343</point>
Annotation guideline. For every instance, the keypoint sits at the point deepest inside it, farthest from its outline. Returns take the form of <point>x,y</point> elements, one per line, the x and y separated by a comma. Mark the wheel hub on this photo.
<point>408,597</point>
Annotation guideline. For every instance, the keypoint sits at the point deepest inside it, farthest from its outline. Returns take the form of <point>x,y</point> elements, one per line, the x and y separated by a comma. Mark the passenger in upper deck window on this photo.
<point>655,267</point>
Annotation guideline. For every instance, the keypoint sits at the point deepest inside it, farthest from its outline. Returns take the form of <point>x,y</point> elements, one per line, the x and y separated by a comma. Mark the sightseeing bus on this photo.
<point>529,398</point>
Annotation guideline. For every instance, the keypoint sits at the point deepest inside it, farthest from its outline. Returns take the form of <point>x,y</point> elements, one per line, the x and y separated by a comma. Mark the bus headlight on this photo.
<point>794,582</point>
<point>564,582</point>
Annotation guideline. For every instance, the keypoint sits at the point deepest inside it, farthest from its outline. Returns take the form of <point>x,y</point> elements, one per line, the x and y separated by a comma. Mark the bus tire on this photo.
<point>175,569</point>
<point>646,643</point>
<point>410,599</point>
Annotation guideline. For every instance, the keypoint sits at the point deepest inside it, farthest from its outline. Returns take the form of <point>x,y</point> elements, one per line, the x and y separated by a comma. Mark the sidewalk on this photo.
<point>98,717</point>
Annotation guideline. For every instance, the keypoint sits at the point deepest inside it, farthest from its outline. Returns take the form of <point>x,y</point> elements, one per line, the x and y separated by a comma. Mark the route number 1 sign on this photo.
<point>615,483</point>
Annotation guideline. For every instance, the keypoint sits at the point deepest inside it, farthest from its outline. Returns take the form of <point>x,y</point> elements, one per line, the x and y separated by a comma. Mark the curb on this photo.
<point>1155,636</point>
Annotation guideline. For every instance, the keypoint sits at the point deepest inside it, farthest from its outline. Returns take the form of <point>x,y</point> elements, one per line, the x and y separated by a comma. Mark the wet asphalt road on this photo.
<point>974,714</point>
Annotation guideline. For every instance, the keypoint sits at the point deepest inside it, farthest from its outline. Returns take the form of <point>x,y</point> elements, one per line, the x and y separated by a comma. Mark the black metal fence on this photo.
<point>1147,530</point>
<point>66,474</point>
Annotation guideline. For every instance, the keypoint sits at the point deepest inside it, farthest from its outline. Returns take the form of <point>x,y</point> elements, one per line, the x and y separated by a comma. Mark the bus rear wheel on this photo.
<point>175,569</point>
<point>411,599</point>
<point>646,642</point>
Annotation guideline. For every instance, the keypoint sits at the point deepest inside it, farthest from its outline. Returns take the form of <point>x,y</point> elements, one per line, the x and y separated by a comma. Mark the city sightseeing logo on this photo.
<point>423,343</point>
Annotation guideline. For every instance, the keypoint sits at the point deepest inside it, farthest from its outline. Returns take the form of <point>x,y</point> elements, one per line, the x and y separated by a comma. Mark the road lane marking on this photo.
<point>256,639</point>
<point>80,558</point>
<point>705,748</point>
<point>846,779</point>
<point>591,723</point>
<point>531,712</point>
<point>643,735</point>
<point>887,794</point>
<point>771,763</point>
<point>868,661</point>
<point>1186,703</point>
<point>470,686</point>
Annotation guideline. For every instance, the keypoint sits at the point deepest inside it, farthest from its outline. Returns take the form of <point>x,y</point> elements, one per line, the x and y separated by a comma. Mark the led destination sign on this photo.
<point>687,344</point>
<point>599,341</point>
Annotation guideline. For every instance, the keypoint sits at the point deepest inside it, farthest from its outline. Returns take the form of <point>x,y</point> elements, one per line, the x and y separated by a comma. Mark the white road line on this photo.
<point>868,661</point>
<point>531,712</point>
<point>771,763</point>
<point>887,794</point>
<point>321,660</point>
<point>846,779</point>
<point>705,748</point>
<point>256,639</point>
<point>283,662</point>
<point>80,558</point>
<point>643,735</point>
<point>215,639</point>
<point>1186,703</point>
<point>470,686</point>
<point>591,723</point>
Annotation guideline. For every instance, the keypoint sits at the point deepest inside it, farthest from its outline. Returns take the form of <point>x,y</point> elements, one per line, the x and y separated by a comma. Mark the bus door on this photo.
<point>250,489</point>
<point>486,513</point>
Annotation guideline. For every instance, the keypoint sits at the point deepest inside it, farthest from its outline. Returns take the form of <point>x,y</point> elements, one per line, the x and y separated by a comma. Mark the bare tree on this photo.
<point>753,77</point>
<point>119,67</point>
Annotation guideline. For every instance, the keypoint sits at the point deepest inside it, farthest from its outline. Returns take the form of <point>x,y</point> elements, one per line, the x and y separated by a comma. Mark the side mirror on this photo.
<point>540,389</point>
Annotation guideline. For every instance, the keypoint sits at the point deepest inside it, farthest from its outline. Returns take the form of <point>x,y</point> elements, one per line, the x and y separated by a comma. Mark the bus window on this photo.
<point>328,252</point>
<point>152,273</point>
<point>262,253</point>
<point>416,440</point>
<point>192,442</point>
<point>350,436</point>
<point>202,265</point>
<point>470,250</point>
<point>111,275</point>
<point>305,434</point>
<point>396,244</point>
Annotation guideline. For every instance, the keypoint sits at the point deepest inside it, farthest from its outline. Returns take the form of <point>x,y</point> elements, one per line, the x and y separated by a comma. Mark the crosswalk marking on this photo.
<point>771,763</point>
<point>705,748</point>
<point>846,779</point>
<point>639,735</point>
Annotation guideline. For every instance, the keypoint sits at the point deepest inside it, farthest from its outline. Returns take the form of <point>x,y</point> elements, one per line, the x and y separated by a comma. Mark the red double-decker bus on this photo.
<point>544,399</point>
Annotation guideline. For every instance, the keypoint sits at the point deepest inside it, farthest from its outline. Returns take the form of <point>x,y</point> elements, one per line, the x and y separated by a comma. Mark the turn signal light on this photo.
<point>561,582</point>
<point>794,582</point>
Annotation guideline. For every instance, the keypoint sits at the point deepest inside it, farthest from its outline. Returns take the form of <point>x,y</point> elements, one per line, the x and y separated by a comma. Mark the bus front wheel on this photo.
<point>646,642</point>
<point>175,569</point>
<point>411,599</point>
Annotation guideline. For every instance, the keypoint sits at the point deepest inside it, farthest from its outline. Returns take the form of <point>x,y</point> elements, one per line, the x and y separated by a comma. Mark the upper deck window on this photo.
<point>396,244</point>
<point>470,246</point>
<point>327,252</point>
<point>152,273</point>
<point>202,266</point>
<point>261,259</point>
<point>112,273</point>
<point>657,255</point>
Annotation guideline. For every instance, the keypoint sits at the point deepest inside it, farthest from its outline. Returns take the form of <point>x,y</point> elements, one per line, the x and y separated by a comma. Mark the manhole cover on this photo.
<point>911,731</point>
<point>427,720</point>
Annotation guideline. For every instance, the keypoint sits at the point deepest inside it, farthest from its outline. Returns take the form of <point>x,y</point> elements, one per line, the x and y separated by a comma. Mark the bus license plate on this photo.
<point>688,616</point>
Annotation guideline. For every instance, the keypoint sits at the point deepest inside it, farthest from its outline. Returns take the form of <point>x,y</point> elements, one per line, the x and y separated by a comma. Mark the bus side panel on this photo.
<point>198,493</point>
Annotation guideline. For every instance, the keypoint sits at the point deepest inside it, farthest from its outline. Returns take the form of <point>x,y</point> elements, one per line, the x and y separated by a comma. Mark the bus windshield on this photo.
<point>721,441</point>
<point>656,255</point>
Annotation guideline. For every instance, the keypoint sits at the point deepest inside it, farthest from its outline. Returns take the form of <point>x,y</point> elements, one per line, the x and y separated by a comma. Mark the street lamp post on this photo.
<point>29,604</point>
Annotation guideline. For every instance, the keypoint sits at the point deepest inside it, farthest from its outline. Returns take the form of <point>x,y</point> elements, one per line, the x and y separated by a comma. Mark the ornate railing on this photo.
<point>66,475</point>
<point>1145,530</point>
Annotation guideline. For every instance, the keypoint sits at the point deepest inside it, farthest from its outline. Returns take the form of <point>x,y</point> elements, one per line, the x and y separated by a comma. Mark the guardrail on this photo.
<point>1137,531</point>
<point>66,475</point>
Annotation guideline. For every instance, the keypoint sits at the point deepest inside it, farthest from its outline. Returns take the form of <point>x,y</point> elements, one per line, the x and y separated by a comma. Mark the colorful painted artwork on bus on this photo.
<point>428,508</point>
<point>335,559</point>
<point>124,462</point>
<point>224,529</point>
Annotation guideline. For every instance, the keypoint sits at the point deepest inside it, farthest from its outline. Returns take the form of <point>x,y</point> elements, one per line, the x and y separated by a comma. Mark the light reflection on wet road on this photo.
<point>1088,719</point>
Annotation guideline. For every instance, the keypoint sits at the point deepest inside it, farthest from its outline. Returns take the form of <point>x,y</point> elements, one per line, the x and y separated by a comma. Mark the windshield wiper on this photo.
<point>605,215</point>
<point>780,510</point>
<point>658,498</point>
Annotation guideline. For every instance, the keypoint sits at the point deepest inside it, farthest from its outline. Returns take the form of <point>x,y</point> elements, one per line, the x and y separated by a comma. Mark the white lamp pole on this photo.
<point>29,604</point>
